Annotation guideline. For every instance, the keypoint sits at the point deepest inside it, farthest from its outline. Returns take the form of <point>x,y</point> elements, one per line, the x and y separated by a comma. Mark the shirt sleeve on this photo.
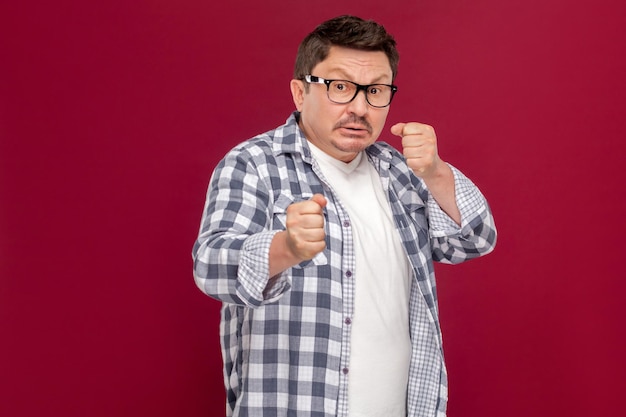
<point>477,234</point>
<point>469,200</point>
<point>254,269</point>
<point>231,254</point>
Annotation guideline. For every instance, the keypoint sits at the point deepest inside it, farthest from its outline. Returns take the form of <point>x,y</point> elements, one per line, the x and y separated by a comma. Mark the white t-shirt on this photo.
<point>380,341</point>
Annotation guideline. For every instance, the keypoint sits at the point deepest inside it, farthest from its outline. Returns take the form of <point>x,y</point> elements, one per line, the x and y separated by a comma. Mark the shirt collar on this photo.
<point>292,139</point>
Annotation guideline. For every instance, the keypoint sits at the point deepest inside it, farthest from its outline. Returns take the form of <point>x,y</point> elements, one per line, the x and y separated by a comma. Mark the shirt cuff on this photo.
<point>469,200</point>
<point>253,273</point>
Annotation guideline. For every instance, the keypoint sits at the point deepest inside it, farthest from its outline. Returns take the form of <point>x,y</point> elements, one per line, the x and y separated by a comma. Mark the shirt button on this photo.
<point>348,274</point>
<point>345,371</point>
<point>348,320</point>
<point>346,223</point>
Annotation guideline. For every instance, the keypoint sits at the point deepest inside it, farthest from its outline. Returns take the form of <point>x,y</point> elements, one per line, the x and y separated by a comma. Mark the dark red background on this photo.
<point>113,115</point>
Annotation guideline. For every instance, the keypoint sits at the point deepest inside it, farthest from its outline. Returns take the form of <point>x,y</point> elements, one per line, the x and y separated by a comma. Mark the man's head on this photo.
<point>342,84</point>
<point>348,32</point>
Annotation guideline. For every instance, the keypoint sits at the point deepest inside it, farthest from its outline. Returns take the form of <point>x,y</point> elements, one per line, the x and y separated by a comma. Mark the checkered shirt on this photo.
<point>285,341</point>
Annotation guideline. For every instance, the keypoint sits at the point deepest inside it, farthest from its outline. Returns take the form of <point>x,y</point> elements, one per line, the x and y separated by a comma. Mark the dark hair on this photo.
<point>347,31</point>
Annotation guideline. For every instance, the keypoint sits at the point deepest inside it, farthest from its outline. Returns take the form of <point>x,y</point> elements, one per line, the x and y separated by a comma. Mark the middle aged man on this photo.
<point>319,241</point>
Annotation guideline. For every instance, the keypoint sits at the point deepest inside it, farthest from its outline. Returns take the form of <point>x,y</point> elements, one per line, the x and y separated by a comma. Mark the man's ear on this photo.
<point>297,93</point>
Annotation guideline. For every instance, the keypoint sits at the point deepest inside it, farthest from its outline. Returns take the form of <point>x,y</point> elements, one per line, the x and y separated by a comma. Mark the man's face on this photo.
<point>343,130</point>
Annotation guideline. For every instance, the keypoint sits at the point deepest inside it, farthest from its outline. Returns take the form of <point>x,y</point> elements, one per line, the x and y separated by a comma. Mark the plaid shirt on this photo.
<point>285,341</point>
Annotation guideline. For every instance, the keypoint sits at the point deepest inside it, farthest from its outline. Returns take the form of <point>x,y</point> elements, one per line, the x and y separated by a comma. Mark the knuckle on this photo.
<point>291,222</point>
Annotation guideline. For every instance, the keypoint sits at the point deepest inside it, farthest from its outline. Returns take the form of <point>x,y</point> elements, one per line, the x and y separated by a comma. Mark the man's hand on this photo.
<point>419,145</point>
<point>305,228</point>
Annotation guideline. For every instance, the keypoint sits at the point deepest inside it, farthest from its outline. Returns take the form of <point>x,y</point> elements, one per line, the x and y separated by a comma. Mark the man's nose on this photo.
<point>359,105</point>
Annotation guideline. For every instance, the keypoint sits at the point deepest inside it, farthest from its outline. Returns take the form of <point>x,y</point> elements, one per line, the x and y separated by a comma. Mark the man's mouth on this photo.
<point>355,125</point>
<point>354,128</point>
<point>354,131</point>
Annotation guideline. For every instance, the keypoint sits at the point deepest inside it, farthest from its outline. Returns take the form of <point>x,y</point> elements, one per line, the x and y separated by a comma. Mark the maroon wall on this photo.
<point>113,115</point>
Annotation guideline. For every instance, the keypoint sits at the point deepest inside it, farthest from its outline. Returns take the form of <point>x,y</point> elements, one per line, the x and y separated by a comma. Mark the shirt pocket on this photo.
<point>279,222</point>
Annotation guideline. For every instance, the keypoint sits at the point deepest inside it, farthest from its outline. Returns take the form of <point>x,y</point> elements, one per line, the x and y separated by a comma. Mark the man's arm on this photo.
<point>461,225</point>
<point>419,144</point>
<point>231,253</point>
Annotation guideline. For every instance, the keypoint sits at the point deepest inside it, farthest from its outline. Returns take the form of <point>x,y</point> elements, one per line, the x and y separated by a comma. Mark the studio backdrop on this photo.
<point>114,114</point>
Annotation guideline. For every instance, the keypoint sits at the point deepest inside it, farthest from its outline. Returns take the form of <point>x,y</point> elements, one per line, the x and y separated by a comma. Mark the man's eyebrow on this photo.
<point>344,76</point>
<point>379,80</point>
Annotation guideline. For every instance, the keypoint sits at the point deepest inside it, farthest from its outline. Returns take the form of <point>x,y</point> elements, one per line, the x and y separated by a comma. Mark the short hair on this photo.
<point>349,32</point>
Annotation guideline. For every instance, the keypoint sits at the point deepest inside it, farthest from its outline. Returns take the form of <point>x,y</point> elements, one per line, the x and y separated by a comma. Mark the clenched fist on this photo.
<point>419,146</point>
<point>305,227</point>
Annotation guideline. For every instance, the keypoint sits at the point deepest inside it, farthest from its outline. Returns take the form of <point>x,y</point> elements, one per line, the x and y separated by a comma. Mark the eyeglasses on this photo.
<point>344,91</point>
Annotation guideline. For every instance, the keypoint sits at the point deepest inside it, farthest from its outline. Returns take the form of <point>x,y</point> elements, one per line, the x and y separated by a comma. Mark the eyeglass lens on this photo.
<point>342,92</point>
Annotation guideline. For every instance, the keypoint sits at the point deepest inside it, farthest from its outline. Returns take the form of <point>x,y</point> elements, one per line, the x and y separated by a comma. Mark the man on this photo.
<point>319,241</point>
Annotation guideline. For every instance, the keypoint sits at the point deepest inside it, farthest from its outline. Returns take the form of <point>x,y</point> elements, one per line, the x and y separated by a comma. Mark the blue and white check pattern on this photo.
<point>285,344</point>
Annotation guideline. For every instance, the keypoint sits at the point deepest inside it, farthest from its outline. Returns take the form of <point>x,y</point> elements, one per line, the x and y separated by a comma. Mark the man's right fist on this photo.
<point>305,227</point>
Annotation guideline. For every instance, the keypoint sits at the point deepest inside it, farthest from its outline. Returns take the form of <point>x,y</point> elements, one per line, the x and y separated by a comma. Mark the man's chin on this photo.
<point>352,144</point>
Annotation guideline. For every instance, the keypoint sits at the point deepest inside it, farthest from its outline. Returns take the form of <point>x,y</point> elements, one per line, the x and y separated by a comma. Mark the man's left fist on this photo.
<point>419,146</point>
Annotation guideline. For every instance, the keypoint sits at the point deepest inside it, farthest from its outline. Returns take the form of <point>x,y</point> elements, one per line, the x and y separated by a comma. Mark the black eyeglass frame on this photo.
<point>312,79</point>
